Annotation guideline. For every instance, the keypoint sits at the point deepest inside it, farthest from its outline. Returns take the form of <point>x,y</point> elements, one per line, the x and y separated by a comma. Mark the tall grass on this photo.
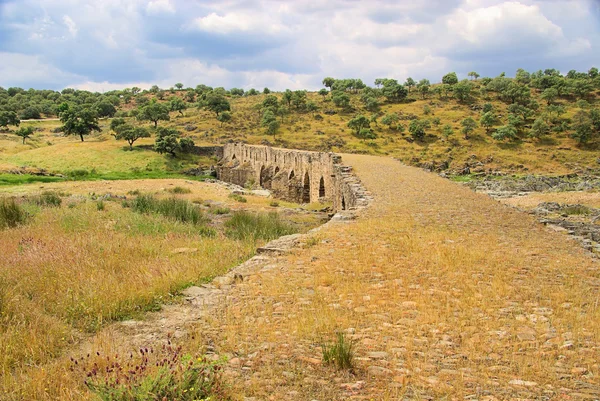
<point>11,213</point>
<point>73,270</point>
<point>47,198</point>
<point>257,226</point>
<point>175,209</point>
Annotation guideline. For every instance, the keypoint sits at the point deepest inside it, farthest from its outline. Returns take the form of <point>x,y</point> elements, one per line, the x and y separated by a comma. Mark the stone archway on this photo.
<point>321,188</point>
<point>306,189</point>
<point>266,177</point>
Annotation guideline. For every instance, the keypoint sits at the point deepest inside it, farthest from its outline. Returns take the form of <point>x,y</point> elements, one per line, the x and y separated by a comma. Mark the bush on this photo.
<point>100,206</point>
<point>11,213</point>
<point>174,209</point>
<point>180,190</point>
<point>238,198</point>
<point>47,198</point>
<point>265,226</point>
<point>340,353</point>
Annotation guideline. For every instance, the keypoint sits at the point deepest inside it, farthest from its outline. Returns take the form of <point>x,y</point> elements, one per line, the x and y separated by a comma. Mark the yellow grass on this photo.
<point>590,199</point>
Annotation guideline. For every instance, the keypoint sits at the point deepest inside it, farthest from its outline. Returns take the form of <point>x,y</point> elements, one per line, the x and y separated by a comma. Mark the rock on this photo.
<point>378,371</point>
<point>377,354</point>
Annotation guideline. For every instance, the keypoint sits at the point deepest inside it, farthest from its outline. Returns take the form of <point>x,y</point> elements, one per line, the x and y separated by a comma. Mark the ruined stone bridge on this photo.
<point>293,175</point>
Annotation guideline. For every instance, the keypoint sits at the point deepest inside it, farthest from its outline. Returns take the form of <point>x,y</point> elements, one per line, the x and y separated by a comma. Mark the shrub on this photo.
<point>100,205</point>
<point>220,210</point>
<point>47,198</point>
<point>166,374</point>
<point>11,213</point>
<point>265,226</point>
<point>175,209</point>
<point>274,204</point>
<point>340,353</point>
<point>238,198</point>
<point>180,190</point>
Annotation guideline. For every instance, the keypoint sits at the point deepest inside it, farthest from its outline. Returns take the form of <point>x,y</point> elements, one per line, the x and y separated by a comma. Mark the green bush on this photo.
<point>340,353</point>
<point>180,190</point>
<point>238,198</point>
<point>11,213</point>
<point>255,226</point>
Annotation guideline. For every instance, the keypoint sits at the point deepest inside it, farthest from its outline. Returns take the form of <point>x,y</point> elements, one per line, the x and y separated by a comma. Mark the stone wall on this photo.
<point>293,175</point>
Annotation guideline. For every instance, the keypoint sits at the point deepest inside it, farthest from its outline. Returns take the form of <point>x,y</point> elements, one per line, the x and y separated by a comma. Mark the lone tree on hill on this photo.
<point>179,85</point>
<point>468,126</point>
<point>410,83</point>
<point>224,117</point>
<point>154,112</point>
<point>177,104</point>
<point>473,75</point>
<point>450,79</point>
<point>417,129</point>
<point>131,134</point>
<point>167,141</point>
<point>9,118</point>
<point>488,120</point>
<point>216,103</point>
<point>24,132</point>
<point>79,121</point>
<point>328,82</point>
<point>358,123</point>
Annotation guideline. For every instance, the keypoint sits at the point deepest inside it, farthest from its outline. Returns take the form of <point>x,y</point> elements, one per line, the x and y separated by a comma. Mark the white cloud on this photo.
<point>26,71</point>
<point>239,22</point>
<point>71,25</point>
<point>160,6</point>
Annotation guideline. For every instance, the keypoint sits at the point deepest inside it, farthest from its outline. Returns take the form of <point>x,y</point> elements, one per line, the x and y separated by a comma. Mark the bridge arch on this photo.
<point>306,188</point>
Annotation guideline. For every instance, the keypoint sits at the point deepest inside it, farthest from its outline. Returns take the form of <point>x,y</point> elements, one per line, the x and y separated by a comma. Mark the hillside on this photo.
<point>562,112</point>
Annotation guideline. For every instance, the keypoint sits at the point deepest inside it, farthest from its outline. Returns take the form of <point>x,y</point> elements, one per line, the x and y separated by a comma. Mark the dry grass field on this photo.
<point>72,269</point>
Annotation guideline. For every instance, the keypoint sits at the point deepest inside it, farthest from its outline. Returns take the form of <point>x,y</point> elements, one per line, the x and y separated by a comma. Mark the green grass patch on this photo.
<point>18,179</point>
<point>257,226</point>
<point>340,353</point>
<point>179,210</point>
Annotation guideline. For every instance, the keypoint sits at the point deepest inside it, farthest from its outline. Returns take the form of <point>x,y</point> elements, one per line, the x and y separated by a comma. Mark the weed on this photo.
<point>100,205</point>
<point>220,210</point>
<point>47,198</point>
<point>339,353</point>
<point>576,210</point>
<point>164,374</point>
<point>274,204</point>
<point>265,226</point>
<point>11,213</point>
<point>175,209</point>
<point>238,198</point>
<point>135,192</point>
<point>312,241</point>
<point>180,190</point>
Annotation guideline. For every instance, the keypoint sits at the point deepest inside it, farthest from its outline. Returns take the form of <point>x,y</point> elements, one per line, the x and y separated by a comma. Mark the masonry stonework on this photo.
<point>293,175</point>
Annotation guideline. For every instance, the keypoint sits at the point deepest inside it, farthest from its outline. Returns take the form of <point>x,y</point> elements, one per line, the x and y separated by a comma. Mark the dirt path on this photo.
<point>445,293</point>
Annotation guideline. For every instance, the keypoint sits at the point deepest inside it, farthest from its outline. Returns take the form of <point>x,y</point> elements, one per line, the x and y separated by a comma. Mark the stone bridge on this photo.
<point>293,175</point>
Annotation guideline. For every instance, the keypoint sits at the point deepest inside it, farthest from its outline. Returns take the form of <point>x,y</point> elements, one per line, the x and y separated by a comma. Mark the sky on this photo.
<point>102,45</point>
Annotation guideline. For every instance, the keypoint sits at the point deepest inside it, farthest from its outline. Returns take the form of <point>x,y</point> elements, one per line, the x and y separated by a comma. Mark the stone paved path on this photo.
<point>445,293</point>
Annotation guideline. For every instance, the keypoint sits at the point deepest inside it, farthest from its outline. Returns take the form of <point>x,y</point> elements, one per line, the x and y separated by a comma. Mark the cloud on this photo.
<point>71,25</point>
<point>281,44</point>
<point>159,7</point>
<point>238,23</point>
